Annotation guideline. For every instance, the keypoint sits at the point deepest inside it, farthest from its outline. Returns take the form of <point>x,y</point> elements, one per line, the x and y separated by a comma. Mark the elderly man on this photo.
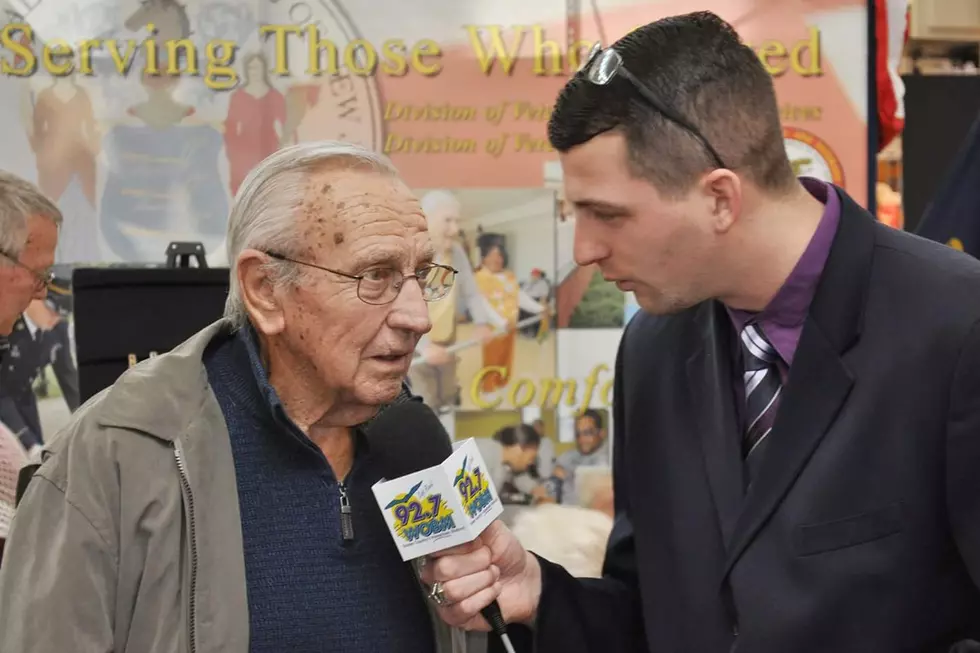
<point>434,375</point>
<point>218,497</point>
<point>29,224</point>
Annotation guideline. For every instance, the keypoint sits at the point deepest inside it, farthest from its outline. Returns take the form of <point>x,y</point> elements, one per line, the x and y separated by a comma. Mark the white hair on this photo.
<point>21,200</point>
<point>437,199</point>
<point>267,206</point>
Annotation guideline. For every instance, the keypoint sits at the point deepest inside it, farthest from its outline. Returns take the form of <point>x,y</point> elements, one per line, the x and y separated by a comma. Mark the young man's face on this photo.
<point>664,250</point>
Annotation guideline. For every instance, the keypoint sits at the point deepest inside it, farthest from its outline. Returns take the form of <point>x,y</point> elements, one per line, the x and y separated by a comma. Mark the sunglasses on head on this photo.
<point>604,65</point>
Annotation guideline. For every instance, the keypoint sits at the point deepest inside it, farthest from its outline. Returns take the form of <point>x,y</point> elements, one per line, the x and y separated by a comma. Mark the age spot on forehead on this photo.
<point>314,210</point>
<point>317,227</point>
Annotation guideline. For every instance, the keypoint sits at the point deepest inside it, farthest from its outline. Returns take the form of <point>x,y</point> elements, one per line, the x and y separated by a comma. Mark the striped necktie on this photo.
<point>762,389</point>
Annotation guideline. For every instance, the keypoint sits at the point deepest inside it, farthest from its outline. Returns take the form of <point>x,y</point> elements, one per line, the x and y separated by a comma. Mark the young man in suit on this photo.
<point>797,431</point>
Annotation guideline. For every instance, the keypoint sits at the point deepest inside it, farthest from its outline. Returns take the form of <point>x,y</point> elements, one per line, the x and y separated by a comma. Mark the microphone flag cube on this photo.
<point>439,507</point>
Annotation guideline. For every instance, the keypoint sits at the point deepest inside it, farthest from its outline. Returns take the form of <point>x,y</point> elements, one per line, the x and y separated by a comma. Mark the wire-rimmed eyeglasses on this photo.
<point>381,285</point>
<point>602,66</point>
<point>41,279</point>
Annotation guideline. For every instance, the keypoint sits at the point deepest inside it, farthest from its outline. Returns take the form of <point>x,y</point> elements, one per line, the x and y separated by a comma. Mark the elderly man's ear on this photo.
<point>259,293</point>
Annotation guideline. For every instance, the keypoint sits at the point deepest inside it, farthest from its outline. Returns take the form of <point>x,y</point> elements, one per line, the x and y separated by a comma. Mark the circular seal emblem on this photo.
<point>812,157</point>
<point>337,104</point>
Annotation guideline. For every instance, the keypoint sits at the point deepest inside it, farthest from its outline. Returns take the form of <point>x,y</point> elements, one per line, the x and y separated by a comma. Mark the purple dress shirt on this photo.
<point>782,319</point>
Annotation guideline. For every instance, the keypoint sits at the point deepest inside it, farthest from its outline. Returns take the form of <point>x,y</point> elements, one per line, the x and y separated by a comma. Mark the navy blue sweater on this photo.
<point>310,589</point>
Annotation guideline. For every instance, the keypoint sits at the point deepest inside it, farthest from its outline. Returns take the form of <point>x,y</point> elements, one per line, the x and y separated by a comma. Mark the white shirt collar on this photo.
<point>30,325</point>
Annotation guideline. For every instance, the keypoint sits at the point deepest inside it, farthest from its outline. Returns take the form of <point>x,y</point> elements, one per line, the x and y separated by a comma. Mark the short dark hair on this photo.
<point>521,435</point>
<point>487,242</point>
<point>594,415</point>
<point>698,66</point>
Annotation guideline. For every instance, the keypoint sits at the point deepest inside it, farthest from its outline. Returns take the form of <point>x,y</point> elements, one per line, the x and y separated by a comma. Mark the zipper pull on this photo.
<point>346,521</point>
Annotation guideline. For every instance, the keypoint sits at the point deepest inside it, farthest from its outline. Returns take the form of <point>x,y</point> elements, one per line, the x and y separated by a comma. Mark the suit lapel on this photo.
<point>819,381</point>
<point>710,372</point>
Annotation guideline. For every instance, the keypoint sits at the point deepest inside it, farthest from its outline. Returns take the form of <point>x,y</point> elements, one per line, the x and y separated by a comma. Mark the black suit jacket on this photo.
<point>861,531</point>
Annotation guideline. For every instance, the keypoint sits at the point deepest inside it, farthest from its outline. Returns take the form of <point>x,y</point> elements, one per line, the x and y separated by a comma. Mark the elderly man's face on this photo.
<point>355,221</point>
<point>22,279</point>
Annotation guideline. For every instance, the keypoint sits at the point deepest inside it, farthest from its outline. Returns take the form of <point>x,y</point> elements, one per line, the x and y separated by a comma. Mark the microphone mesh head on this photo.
<point>408,437</point>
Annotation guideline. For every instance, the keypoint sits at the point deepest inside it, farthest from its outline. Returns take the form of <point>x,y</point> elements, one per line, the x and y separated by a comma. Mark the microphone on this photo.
<point>428,485</point>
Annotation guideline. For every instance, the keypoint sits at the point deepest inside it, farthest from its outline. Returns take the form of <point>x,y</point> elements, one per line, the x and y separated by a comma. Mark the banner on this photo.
<point>142,118</point>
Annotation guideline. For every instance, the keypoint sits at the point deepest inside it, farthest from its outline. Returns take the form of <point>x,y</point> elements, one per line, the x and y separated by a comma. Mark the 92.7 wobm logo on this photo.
<point>419,515</point>
<point>473,488</point>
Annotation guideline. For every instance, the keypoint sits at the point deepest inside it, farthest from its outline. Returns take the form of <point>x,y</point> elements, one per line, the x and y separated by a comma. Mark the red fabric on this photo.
<point>250,133</point>
<point>891,118</point>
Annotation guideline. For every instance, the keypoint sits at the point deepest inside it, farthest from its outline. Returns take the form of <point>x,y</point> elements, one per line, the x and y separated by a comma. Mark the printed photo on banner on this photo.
<point>530,465</point>
<point>557,496</point>
<point>145,145</point>
<point>39,375</point>
<point>492,344</point>
<point>586,358</point>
